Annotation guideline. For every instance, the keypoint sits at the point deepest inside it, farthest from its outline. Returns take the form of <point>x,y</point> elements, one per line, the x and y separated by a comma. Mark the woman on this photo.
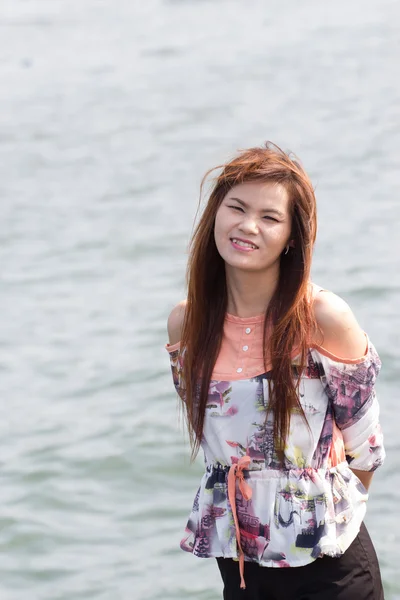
<point>277,383</point>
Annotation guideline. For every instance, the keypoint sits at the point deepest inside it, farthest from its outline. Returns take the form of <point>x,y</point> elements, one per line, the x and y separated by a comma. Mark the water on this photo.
<point>110,114</point>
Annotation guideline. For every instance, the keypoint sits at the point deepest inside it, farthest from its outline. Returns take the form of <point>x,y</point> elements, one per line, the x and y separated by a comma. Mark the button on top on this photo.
<point>245,348</point>
<point>239,370</point>
<point>248,330</point>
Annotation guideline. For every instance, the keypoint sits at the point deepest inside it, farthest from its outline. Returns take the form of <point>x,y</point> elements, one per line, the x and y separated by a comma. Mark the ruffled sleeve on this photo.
<point>176,360</point>
<point>350,386</point>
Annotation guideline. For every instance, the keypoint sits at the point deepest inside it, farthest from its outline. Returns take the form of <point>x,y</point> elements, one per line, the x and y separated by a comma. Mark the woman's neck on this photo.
<point>249,294</point>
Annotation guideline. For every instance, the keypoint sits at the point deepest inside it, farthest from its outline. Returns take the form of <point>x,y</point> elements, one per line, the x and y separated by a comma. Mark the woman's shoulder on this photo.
<point>338,330</point>
<point>175,322</point>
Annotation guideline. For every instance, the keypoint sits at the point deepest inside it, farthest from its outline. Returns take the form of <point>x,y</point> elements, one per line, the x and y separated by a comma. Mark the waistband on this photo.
<point>267,473</point>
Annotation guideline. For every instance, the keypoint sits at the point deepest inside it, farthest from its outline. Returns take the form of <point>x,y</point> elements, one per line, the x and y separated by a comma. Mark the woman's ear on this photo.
<point>291,244</point>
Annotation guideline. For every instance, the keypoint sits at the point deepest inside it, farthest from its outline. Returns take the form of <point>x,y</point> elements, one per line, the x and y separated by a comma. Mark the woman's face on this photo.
<point>253,225</point>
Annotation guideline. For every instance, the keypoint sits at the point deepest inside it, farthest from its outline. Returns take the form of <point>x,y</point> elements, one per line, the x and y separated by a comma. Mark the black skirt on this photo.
<point>353,576</point>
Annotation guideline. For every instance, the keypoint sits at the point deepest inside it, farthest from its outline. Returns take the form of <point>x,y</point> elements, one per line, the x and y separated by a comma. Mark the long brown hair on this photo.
<point>289,312</point>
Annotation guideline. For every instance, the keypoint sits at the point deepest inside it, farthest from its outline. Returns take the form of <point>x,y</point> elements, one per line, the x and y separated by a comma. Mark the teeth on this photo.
<point>244,244</point>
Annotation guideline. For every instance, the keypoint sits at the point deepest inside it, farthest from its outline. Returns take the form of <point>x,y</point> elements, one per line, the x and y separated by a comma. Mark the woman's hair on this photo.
<point>289,312</point>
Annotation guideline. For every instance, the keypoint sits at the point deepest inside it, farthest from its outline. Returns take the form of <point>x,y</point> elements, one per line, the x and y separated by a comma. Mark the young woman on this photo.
<point>277,383</point>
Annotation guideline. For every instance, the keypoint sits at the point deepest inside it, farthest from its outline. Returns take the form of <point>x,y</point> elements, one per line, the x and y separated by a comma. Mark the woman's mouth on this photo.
<point>243,245</point>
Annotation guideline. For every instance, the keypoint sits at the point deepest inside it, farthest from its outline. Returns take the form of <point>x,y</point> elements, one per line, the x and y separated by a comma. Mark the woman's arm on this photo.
<point>351,366</point>
<point>339,331</point>
<point>175,323</point>
<point>364,476</point>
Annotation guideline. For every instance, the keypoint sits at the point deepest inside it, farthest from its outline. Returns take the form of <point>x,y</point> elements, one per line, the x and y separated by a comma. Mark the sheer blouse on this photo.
<point>250,507</point>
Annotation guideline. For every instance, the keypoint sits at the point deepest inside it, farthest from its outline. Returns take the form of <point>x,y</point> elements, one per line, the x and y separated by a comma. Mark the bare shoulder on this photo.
<point>339,330</point>
<point>175,322</point>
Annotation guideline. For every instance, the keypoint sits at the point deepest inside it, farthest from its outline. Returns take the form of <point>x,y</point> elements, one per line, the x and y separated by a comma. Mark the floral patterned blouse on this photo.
<point>282,517</point>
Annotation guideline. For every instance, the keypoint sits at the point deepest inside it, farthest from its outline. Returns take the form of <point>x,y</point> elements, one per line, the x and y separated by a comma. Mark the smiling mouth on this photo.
<point>244,244</point>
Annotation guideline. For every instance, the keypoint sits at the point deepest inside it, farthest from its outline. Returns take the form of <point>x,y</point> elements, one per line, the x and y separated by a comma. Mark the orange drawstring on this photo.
<point>236,471</point>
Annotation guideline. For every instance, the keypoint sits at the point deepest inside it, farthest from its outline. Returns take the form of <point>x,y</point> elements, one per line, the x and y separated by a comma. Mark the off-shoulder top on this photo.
<point>250,507</point>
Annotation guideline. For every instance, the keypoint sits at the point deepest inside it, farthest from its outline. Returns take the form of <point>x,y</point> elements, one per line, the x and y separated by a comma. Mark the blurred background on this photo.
<point>110,113</point>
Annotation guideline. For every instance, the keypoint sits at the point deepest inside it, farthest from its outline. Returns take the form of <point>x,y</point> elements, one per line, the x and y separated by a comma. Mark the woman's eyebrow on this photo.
<point>269,210</point>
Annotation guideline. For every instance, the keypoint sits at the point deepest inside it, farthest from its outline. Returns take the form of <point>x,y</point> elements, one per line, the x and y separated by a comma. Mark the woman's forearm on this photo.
<point>364,476</point>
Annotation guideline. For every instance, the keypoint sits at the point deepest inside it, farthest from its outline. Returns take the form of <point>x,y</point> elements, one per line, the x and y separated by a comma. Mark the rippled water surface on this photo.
<point>110,114</point>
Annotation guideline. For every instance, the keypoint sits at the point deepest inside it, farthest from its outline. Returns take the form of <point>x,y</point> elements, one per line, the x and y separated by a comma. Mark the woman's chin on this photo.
<point>244,265</point>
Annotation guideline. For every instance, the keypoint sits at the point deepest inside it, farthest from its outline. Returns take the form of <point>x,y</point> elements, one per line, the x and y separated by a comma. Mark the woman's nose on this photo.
<point>249,224</point>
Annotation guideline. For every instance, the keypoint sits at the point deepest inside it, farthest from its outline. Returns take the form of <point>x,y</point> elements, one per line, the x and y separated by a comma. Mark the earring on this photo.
<point>287,249</point>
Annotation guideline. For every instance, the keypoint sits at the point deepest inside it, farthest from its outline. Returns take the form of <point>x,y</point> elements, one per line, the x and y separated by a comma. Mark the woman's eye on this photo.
<point>271,219</point>
<point>237,208</point>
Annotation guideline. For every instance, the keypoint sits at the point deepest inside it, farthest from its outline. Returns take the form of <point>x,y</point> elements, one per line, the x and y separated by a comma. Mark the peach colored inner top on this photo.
<point>241,353</point>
